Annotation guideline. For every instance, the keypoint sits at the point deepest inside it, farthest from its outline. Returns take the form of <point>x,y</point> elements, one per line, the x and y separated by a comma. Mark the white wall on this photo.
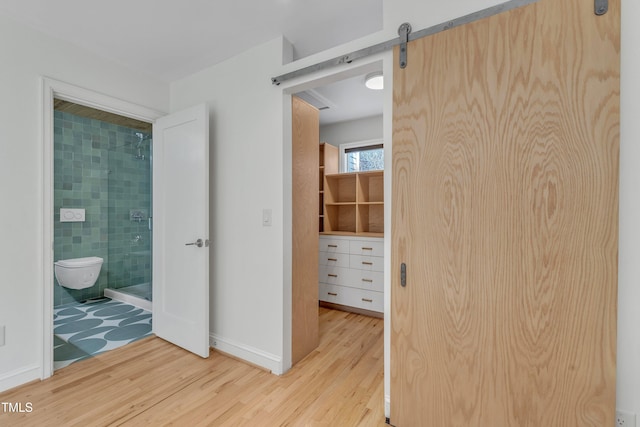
<point>628,390</point>
<point>26,56</point>
<point>246,165</point>
<point>366,129</point>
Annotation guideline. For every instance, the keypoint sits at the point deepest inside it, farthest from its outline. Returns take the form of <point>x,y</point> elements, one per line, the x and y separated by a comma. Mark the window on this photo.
<point>361,156</point>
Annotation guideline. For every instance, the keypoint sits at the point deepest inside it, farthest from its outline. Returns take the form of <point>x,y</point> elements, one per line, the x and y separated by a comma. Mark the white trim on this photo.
<point>56,89</point>
<point>250,354</point>
<point>387,406</point>
<point>18,377</point>
<point>342,147</point>
<point>387,129</point>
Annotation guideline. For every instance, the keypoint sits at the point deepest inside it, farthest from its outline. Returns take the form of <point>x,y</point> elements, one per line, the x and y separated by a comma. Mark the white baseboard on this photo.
<point>250,354</point>
<point>19,377</point>
<point>387,406</point>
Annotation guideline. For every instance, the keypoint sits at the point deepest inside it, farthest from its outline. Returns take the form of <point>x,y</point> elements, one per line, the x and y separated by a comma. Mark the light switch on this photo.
<point>266,217</point>
<point>1,335</point>
<point>71,215</point>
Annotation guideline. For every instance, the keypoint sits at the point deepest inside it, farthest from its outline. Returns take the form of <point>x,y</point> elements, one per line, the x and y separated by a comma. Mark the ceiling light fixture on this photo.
<point>374,81</point>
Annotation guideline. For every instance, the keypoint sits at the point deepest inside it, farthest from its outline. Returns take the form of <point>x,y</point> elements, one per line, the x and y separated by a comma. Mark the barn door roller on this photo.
<point>403,32</point>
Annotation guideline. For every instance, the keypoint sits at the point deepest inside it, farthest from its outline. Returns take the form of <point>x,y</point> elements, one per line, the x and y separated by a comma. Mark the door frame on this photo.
<point>51,89</point>
<point>372,63</point>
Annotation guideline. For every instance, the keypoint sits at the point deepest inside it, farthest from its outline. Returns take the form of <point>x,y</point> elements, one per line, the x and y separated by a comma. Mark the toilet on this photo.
<point>78,273</point>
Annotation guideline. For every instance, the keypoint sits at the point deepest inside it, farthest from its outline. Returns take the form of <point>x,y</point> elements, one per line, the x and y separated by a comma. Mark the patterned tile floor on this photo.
<point>82,330</point>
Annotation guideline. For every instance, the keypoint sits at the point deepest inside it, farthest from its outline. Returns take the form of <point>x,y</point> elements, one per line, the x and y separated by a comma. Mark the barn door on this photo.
<point>505,207</point>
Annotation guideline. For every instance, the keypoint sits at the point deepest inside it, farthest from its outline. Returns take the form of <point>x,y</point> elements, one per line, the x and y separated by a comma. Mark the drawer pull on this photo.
<point>367,263</point>
<point>332,246</point>
<point>333,294</point>
<point>332,259</point>
<point>367,300</point>
<point>367,280</point>
<point>332,275</point>
<point>367,249</point>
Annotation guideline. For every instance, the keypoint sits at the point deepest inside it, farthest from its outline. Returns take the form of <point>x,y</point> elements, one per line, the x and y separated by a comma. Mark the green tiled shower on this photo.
<point>105,169</point>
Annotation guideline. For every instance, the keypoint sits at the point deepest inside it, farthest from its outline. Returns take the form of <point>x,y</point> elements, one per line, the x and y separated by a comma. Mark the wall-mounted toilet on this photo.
<point>78,273</point>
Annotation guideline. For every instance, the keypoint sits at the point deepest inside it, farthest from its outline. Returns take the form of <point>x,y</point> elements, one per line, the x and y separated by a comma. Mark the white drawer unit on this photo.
<point>370,263</point>
<point>333,275</point>
<point>367,248</point>
<point>333,259</point>
<point>330,244</point>
<point>352,297</point>
<point>369,280</point>
<point>351,272</point>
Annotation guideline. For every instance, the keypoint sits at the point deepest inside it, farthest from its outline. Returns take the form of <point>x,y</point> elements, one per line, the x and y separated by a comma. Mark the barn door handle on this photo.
<point>403,275</point>
<point>601,7</point>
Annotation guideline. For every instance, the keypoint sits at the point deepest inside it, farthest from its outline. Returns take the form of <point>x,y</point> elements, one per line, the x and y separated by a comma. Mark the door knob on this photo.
<point>199,243</point>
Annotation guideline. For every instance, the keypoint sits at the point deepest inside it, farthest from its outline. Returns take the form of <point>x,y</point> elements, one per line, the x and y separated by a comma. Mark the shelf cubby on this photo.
<point>328,164</point>
<point>340,188</point>
<point>340,217</point>
<point>371,187</point>
<point>370,218</point>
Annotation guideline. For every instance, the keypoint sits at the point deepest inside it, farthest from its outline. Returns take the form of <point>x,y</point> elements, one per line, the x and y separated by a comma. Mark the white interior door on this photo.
<point>181,229</point>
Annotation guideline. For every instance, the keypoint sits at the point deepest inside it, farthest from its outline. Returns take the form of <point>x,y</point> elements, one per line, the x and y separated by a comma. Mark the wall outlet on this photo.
<point>625,419</point>
<point>1,335</point>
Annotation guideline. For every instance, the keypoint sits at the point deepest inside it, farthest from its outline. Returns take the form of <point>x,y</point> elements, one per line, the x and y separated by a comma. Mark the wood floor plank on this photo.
<point>152,382</point>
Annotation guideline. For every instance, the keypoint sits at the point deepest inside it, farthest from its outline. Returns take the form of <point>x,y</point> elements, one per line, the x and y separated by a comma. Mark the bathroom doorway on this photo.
<point>102,208</point>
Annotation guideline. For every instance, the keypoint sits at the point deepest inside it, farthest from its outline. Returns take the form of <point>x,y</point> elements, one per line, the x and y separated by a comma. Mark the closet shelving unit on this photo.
<point>328,165</point>
<point>354,204</point>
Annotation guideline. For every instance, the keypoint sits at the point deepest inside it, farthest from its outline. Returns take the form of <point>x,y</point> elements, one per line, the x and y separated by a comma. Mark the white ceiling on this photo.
<point>347,99</point>
<point>170,39</point>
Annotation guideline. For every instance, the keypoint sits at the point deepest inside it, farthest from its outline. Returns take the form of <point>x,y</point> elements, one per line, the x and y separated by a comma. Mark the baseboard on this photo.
<point>250,354</point>
<point>19,377</point>
<point>387,406</point>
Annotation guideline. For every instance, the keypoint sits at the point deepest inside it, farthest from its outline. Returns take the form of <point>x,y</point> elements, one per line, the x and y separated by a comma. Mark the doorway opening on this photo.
<point>102,211</point>
<point>348,221</point>
<point>81,144</point>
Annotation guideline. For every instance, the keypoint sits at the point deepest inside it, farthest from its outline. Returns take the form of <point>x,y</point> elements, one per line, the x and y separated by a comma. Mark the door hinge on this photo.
<point>601,7</point>
<point>403,32</point>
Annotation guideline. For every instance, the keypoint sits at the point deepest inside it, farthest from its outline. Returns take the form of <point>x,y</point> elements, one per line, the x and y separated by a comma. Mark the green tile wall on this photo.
<point>95,168</point>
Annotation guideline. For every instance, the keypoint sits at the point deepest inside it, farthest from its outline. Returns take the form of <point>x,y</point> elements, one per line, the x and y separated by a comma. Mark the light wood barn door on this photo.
<point>305,141</point>
<point>505,207</point>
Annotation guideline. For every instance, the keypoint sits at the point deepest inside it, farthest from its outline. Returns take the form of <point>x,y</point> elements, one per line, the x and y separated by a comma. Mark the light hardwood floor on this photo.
<point>151,382</point>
